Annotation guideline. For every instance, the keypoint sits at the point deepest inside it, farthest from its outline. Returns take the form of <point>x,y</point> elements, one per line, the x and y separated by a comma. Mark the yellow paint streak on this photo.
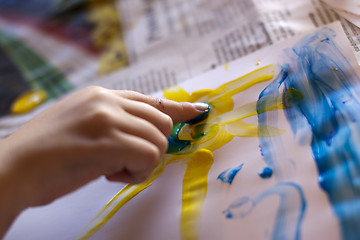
<point>194,192</point>
<point>241,84</point>
<point>198,94</point>
<point>121,198</point>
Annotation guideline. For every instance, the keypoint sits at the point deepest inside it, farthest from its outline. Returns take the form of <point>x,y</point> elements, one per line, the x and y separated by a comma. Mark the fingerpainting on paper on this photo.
<point>276,157</point>
<point>308,101</point>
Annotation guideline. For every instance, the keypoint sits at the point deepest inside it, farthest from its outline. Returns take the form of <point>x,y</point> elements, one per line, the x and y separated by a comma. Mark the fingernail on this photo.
<point>201,106</point>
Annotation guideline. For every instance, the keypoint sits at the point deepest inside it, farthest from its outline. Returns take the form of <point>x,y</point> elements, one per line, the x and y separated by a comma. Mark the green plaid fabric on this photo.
<point>39,73</point>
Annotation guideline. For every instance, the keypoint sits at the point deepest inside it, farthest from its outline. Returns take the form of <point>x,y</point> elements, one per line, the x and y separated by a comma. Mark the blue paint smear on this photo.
<point>289,215</point>
<point>266,173</point>
<point>229,174</point>
<point>331,110</point>
<point>175,145</point>
<point>270,118</point>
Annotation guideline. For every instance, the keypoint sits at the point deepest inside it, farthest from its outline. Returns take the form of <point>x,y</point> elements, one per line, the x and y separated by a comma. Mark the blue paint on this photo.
<point>229,174</point>
<point>270,118</point>
<point>289,215</point>
<point>176,145</point>
<point>331,111</point>
<point>266,173</point>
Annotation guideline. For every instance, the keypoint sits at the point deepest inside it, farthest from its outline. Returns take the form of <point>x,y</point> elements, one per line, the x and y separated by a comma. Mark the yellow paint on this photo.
<point>28,101</point>
<point>258,62</point>
<point>226,66</point>
<point>107,35</point>
<point>194,192</point>
<point>176,93</point>
<point>220,127</point>
<point>119,200</point>
<point>114,58</point>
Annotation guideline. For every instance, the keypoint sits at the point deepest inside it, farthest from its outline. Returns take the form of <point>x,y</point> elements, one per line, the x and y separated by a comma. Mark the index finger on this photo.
<point>178,111</point>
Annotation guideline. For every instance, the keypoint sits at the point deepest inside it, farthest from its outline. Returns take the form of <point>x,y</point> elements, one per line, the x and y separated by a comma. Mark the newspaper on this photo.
<point>169,41</point>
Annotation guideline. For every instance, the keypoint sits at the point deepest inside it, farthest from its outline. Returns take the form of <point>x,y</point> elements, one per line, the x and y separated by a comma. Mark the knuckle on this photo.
<point>167,125</point>
<point>153,155</point>
<point>129,94</point>
<point>163,144</point>
<point>100,116</point>
<point>97,93</point>
<point>94,89</point>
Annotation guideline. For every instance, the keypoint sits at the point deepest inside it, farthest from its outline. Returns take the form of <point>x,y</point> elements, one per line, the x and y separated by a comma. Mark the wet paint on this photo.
<point>330,110</point>
<point>201,117</point>
<point>194,191</point>
<point>290,211</point>
<point>313,96</point>
<point>174,143</point>
<point>228,175</point>
<point>266,173</point>
<point>28,101</point>
<point>221,125</point>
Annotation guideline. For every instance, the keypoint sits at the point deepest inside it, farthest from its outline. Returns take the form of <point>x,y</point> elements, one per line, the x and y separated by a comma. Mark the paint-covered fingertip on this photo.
<point>203,107</point>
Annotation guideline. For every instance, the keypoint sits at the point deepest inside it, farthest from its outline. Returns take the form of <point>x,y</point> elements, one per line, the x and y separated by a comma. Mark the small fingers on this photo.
<point>144,111</point>
<point>140,127</point>
<point>178,111</point>
<point>134,160</point>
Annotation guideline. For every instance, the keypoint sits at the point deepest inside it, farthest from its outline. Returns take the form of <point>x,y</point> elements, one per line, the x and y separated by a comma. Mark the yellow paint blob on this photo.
<point>176,93</point>
<point>28,101</point>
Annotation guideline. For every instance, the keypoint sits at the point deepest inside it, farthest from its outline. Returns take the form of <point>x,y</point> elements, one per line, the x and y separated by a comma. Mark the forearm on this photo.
<point>10,206</point>
<point>11,201</point>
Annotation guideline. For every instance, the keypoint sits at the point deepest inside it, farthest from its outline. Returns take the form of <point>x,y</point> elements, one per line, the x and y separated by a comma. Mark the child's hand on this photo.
<point>94,132</point>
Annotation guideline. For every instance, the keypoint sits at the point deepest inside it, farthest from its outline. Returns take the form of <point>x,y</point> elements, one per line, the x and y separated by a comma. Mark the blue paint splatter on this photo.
<point>331,110</point>
<point>289,215</point>
<point>229,174</point>
<point>266,173</point>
